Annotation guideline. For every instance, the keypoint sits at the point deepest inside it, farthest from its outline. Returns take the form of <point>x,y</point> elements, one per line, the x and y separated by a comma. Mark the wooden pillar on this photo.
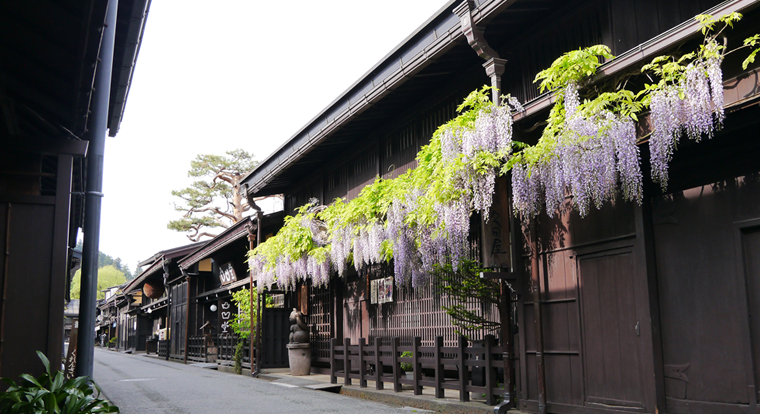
<point>537,315</point>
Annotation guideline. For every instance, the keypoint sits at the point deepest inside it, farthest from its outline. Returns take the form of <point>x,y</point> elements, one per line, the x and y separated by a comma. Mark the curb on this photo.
<point>435,405</point>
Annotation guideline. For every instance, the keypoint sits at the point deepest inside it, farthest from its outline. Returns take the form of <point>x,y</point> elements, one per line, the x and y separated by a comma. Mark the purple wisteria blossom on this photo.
<point>694,106</point>
<point>593,157</point>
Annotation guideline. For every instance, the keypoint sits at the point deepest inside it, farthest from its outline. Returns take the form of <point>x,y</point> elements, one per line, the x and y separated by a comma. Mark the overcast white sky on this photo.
<point>215,76</point>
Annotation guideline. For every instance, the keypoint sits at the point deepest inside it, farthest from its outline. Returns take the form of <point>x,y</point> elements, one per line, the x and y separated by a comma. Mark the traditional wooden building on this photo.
<point>50,111</point>
<point>217,270</point>
<point>634,308</point>
<point>162,308</point>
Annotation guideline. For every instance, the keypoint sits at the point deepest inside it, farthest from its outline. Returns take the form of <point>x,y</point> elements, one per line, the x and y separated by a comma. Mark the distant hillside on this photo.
<point>106,260</point>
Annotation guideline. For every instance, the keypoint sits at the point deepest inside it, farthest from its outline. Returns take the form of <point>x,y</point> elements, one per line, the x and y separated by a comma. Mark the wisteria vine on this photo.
<point>587,154</point>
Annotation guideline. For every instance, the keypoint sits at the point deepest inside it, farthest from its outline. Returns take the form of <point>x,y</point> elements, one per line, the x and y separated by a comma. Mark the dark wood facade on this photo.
<point>644,308</point>
<point>209,270</point>
<point>49,58</point>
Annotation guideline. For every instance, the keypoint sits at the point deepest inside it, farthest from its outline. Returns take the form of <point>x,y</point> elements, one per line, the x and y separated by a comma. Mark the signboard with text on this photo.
<point>227,273</point>
<point>226,312</point>
<point>495,232</point>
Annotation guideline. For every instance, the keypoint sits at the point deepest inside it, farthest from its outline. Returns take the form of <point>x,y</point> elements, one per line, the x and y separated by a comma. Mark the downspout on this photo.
<point>494,67</point>
<point>169,320</point>
<point>537,316</point>
<point>255,356</point>
<point>259,302</point>
<point>187,310</point>
<point>251,246</point>
<point>97,136</point>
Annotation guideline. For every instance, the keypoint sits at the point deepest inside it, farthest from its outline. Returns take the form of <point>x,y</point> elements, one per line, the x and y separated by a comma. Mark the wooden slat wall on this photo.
<point>363,171</point>
<point>319,318</point>
<point>574,28</point>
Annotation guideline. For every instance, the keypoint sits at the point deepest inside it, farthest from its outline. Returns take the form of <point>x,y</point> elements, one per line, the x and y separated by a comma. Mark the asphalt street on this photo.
<point>140,384</point>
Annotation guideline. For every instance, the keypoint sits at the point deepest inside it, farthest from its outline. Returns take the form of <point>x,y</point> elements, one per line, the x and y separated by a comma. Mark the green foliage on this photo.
<point>462,286</point>
<point>106,260</point>
<point>52,393</point>
<point>406,366</point>
<point>241,322</point>
<point>751,41</point>
<point>113,340</point>
<point>580,66</point>
<point>213,201</point>
<point>573,66</point>
<point>107,276</point>
<point>238,358</point>
<point>433,179</point>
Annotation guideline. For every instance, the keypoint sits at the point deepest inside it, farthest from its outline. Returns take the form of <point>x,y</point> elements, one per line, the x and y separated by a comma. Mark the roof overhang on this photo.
<point>239,230</point>
<point>49,54</point>
<point>425,53</point>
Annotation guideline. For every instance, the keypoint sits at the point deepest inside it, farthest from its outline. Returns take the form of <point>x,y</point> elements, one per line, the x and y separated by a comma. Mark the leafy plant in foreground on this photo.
<point>52,393</point>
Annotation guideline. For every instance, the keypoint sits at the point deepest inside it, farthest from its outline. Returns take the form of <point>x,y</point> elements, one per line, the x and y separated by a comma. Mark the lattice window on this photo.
<point>320,320</point>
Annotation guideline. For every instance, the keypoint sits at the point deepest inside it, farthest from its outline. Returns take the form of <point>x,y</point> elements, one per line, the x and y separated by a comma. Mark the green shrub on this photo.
<point>52,393</point>
<point>238,358</point>
<point>406,366</point>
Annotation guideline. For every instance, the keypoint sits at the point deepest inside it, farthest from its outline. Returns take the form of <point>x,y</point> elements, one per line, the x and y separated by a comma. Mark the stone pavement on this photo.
<point>406,398</point>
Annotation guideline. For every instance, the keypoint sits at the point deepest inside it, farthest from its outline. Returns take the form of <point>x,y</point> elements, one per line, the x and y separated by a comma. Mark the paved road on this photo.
<point>140,384</point>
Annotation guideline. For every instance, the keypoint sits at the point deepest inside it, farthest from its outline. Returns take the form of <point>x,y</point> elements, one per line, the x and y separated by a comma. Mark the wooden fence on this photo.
<point>443,368</point>
<point>197,349</point>
<point>219,349</point>
<point>227,344</point>
<point>163,349</point>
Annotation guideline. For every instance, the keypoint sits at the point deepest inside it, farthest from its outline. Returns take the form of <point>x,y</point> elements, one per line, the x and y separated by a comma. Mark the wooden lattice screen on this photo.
<point>319,318</point>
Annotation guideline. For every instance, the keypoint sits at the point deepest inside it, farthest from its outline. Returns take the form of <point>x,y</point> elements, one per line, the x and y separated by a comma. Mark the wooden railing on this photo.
<point>381,362</point>
<point>163,348</point>
<point>197,348</point>
<point>227,344</point>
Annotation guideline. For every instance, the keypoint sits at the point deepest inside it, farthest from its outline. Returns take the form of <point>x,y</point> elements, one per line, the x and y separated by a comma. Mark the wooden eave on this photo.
<point>233,233</point>
<point>429,57</point>
<point>643,52</point>
<point>48,60</point>
<point>225,288</point>
<point>387,90</point>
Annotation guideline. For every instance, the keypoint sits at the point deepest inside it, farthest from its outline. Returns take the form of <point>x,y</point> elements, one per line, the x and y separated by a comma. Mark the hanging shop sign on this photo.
<point>227,273</point>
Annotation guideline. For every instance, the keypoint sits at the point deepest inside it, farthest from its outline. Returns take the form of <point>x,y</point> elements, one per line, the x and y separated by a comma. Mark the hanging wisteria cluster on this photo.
<point>592,157</point>
<point>692,104</point>
<point>587,154</point>
<point>427,220</point>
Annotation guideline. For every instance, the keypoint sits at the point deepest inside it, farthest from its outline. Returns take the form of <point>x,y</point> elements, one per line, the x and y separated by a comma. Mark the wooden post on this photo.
<point>506,341</point>
<point>416,366</point>
<point>464,378</point>
<point>362,365</point>
<point>251,344</point>
<point>346,361</point>
<point>396,367</point>
<point>537,316</point>
<point>378,365</point>
<point>438,367</point>
<point>333,377</point>
<point>489,370</point>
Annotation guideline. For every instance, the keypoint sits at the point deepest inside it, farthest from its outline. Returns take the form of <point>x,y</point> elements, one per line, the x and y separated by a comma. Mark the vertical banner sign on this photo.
<point>227,273</point>
<point>495,232</point>
<point>226,310</point>
<point>373,292</point>
<point>71,355</point>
